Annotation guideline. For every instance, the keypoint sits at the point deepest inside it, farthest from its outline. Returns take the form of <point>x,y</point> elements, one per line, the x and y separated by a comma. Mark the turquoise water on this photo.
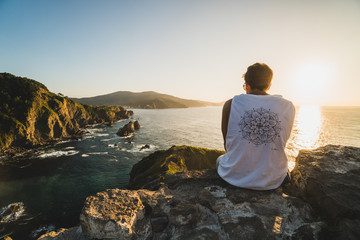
<point>54,182</point>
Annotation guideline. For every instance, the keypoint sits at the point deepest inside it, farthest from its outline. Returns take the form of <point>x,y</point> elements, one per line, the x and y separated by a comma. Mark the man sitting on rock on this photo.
<point>256,127</point>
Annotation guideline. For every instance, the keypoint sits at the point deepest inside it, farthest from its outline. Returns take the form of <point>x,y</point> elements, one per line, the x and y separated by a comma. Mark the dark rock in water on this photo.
<point>329,179</point>
<point>146,146</point>
<point>126,130</point>
<point>137,125</point>
<point>12,212</point>
<point>110,124</point>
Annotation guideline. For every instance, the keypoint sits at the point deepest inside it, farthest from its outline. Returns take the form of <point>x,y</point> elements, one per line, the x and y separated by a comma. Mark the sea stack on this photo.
<point>137,125</point>
<point>126,130</point>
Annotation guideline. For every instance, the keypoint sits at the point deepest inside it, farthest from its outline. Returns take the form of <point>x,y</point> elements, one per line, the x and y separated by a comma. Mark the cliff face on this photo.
<point>30,115</point>
<point>320,202</point>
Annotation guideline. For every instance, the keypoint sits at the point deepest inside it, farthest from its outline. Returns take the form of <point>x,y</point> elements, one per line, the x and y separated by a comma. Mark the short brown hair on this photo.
<point>258,76</point>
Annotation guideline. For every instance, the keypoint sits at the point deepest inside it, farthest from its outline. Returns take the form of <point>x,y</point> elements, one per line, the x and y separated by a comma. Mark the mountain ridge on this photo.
<point>146,99</point>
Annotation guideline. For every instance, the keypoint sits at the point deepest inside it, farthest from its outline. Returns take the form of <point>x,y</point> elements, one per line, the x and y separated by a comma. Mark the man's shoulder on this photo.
<point>227,104</point>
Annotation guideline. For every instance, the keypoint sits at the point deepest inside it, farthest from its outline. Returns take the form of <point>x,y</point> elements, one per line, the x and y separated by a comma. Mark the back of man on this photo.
<point>258,127</point>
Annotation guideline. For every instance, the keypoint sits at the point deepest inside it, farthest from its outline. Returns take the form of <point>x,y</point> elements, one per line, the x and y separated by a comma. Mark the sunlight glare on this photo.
<point>312,80</point>
<point>308,123</point>
<point>308,132</point>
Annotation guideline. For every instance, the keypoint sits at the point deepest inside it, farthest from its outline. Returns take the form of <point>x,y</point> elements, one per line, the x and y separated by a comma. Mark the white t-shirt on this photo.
<point>258,129</point>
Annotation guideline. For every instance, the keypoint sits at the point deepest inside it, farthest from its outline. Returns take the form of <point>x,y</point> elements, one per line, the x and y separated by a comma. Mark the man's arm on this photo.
<point>225,119</point>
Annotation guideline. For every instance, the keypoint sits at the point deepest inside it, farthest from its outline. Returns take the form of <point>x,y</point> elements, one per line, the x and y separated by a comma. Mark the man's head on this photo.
<point>258,76</point>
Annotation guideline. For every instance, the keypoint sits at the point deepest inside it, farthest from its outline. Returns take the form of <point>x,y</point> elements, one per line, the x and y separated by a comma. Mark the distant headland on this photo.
<point>144,100</point>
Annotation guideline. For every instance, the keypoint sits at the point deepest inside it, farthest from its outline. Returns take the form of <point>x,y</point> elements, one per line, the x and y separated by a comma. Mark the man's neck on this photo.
<point>257,92</point>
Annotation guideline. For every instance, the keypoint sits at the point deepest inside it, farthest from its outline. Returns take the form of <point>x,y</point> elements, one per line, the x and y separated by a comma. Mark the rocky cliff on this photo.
<point>320,202</point>
<point>31,115</point>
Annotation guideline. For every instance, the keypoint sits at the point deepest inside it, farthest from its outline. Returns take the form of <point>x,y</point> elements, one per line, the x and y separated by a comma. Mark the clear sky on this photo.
<point>195,49</point>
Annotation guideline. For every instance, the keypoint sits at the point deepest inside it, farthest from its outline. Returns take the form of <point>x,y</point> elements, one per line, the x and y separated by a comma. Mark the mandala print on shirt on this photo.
<point>260,126</point>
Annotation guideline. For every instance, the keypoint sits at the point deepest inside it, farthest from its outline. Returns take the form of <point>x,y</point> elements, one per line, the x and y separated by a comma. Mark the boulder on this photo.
<point>137,125</point>
<point>114,214</point>
<point>328,178</point>
<point>126,130</point>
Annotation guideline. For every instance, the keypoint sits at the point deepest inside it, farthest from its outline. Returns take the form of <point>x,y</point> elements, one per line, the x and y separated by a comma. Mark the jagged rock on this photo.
<point>328,178</point>
<point>126,130</point>
<point>146,146</point>
<point>137,125</point>
<point>12,212</point>
<point>114,214</point>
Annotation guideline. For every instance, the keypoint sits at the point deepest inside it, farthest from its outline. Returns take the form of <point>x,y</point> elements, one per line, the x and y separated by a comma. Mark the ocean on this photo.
<point>54,182</point>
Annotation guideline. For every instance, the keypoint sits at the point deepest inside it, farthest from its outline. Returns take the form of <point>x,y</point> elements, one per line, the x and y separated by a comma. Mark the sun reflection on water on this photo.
<point>308,132</point>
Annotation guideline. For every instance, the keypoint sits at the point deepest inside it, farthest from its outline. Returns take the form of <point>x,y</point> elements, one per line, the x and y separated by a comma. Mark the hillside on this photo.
<point>31,115</point>
<point>151,100</point>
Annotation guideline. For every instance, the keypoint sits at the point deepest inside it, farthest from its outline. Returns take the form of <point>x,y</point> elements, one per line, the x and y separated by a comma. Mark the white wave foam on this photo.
<point>113,160</point>
<point>101,134</point>
<point>109,139</point>
<point>88,136</point>
<point>58,154</point>
<point>98,153</point>
<point>84,155</point>
<point>113,145</point>
<point>69,148</point>
<point>65,141</point>
<point>138,148</point>
<point>129,136</point>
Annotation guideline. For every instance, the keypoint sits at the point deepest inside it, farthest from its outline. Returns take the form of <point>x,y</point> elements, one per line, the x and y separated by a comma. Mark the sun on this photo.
<point>312,80</point>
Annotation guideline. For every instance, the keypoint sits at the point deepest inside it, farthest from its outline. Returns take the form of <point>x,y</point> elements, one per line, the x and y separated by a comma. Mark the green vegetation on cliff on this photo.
<point>31,115</point>
<point>175,159</point>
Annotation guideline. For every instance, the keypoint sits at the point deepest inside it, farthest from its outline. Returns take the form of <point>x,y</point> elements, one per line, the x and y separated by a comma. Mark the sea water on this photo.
<point>54,182</point>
